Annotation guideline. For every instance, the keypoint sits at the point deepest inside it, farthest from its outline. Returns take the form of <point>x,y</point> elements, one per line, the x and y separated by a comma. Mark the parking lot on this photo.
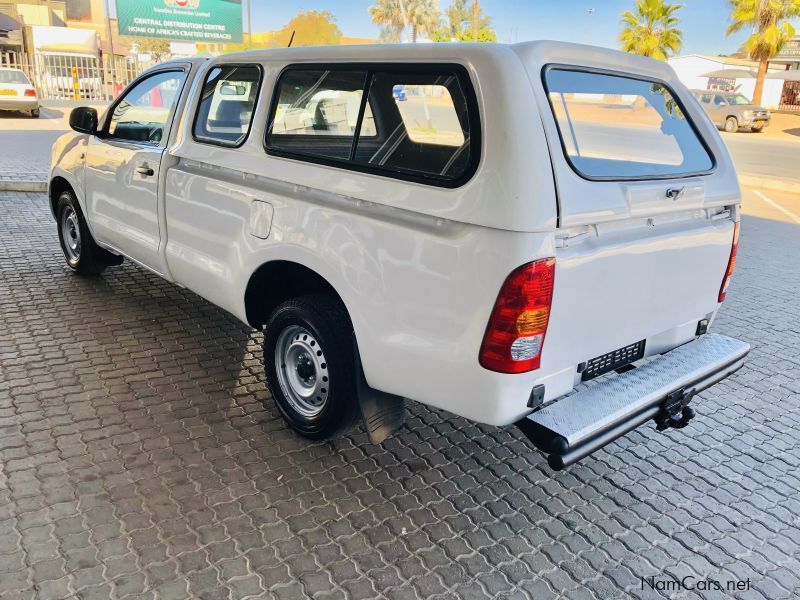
<point>141,456</point>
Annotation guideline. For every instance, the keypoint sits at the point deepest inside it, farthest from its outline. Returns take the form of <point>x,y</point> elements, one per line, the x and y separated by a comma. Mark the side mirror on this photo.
<point>83,120</point>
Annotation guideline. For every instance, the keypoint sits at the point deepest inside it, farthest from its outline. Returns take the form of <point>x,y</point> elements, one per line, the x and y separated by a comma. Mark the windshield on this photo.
<point>9,76</point>
<point>738,100</point>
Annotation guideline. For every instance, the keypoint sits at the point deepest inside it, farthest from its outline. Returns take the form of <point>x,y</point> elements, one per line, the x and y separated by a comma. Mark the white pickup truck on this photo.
<point>536,234</point>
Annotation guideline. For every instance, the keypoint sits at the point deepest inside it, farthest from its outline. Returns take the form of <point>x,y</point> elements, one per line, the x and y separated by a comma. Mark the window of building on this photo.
<point>412,124</point>
<point>616,127</point>
<point>225,113</point>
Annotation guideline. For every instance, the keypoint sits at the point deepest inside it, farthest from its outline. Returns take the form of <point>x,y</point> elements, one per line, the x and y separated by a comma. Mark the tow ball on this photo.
<point>675,412</point>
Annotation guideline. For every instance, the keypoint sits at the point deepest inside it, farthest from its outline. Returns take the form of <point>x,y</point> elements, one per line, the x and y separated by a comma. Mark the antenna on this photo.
<point>291,39</point>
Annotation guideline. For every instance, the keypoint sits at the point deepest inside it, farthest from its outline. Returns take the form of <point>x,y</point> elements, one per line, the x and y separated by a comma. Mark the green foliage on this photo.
<point>419,17</point>
<point>651,29</point>
<point>158,49</point>
<point>769,20</point>
<point>311,28</point>
<point>459,24</point>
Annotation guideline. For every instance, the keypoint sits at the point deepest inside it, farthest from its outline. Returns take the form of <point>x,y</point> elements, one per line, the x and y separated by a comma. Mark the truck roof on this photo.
<point>435,51</point>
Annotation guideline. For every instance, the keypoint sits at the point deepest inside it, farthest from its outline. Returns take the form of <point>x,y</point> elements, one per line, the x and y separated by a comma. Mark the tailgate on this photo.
<point>647,202</point>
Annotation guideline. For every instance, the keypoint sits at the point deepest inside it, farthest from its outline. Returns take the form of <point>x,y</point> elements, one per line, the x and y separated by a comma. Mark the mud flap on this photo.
<point>383,413</point>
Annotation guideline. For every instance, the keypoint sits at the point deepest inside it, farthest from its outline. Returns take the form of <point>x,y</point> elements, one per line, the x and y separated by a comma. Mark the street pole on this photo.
<point>112,70</point>
<point>587,31</point>
<point>476,11</point>
<point>249,25</point>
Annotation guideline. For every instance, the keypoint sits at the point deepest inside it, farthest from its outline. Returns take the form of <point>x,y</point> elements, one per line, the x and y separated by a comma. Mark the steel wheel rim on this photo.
<point>71,234</point>
<point>302,370</point>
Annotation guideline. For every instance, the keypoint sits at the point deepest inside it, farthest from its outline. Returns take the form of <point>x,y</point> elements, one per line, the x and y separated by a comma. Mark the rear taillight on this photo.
<point>515,334</point>
<point>723,290</point>
<point>30,92</point>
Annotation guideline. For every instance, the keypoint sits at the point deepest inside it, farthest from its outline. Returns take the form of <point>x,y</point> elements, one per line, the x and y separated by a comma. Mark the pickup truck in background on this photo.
<point>536,234</point>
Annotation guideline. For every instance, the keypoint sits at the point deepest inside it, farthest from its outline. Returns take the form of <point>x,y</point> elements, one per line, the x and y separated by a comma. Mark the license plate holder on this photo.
<point>610,361</point>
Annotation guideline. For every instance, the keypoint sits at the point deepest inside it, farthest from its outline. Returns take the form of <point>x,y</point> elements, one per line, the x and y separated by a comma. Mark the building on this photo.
<point>692,70</point>
<point>789,57</point>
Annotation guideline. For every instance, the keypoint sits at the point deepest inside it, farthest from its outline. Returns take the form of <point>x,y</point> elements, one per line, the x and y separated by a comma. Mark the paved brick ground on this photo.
<point>140,456</point>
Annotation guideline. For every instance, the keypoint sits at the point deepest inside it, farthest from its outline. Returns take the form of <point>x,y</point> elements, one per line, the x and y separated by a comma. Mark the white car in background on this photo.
<point>17,92</point>
<point>539,234</point>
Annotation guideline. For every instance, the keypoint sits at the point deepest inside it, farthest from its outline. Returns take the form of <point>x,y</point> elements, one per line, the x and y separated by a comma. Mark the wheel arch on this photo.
<point>58,185</point>
<point>276,281</point>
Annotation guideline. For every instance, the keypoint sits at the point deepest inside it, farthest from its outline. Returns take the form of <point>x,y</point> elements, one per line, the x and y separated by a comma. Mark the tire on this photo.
<point>309,364</point>
<point>35,113</point>
<point>81,252</point>
<point>731,125</point>
<point>757,129</point>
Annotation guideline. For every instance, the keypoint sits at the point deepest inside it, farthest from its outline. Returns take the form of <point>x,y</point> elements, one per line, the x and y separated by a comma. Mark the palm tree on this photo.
<point>651,29</point>
<point>412,16</point>
<point>769,20</point>
<point>423,17</point>
<point>389,15</point>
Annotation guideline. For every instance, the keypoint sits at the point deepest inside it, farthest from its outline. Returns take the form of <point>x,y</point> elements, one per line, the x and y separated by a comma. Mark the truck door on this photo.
<point>123,163</point>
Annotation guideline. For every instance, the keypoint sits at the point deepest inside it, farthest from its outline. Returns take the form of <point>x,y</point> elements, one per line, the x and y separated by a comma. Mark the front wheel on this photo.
<point>757,129</point>
<point>310,366</point>
<point>731,125</point>
<point>35,113</point>
<point>81,252</point>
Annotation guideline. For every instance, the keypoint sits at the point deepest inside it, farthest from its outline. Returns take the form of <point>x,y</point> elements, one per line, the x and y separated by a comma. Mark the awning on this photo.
<point>731,74</point>
<point>8,24</point>
<point>793,75</point>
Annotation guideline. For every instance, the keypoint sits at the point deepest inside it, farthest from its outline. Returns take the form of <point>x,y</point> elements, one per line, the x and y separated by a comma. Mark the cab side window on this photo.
<point>225,113</point>
<point>408,122</point>
<point>142,113</point>
<point>316,113</point>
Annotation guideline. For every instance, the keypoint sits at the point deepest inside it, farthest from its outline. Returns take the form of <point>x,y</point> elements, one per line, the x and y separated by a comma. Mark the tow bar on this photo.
<point>570,428</point>
<point>675,412</point>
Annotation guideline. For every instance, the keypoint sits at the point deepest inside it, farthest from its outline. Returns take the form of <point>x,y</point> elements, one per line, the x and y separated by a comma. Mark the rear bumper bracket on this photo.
<point>581,423</point>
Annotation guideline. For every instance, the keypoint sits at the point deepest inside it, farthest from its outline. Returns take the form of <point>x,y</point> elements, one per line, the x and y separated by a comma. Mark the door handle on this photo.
<point>145,170</point>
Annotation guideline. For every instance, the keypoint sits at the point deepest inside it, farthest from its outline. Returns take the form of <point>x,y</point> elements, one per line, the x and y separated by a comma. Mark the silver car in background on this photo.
<point>17,92</point>
<point>731,111</point>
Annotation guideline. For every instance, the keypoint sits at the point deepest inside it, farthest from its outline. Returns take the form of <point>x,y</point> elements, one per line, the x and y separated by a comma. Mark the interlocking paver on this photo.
<point>141,456</point>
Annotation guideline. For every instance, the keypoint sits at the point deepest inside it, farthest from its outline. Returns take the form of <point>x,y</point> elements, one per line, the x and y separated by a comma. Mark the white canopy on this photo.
<point>731,74</point>
<point>793,75</point>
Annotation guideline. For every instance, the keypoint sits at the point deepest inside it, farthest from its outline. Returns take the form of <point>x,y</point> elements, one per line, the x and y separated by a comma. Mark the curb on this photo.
<point>770,183</point>
<point>9,185</point>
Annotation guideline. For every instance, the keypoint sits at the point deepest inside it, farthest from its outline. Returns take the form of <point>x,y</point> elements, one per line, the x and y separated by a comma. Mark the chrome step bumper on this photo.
<point>577,425</point>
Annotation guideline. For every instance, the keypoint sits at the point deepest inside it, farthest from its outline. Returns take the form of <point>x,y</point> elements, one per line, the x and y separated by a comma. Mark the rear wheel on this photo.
<point>731,125</point>
<point>35,113</point>
<point>310,366</point>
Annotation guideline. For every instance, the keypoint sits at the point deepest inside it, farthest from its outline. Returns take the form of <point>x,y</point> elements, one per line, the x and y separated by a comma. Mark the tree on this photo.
<point>414,16</point>
<point>769,20</point>
<point>459,24</point>
<point>311,28</point>
<point>157,49</point>
<point>651,29</point>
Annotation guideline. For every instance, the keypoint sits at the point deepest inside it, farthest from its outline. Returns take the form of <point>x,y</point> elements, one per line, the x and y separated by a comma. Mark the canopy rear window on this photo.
<point>617,127</point>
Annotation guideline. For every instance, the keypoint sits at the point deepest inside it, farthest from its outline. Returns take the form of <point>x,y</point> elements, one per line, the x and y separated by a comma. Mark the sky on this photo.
<point>703,21</point>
